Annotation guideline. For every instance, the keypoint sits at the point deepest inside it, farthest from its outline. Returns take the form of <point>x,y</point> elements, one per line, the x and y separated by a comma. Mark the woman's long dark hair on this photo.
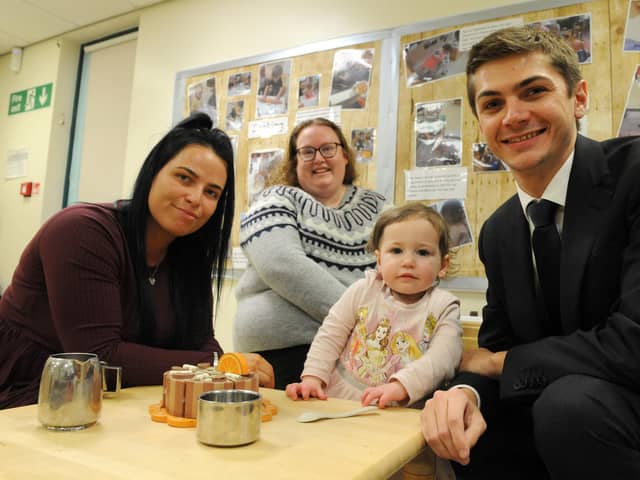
<point>193,259</point>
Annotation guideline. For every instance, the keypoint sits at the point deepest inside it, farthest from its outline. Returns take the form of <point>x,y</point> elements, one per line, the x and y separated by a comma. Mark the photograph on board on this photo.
<point>273,88</point>
<point>362,143</point>
<point>438,133</point>
<point>262,164</point>
<point>350,78</point>
<point>484,160</point>
<point>455,215</point>
<point>202,98</point>
<point>630,123</point>
<point>235,115</point>
<point>433,58</point>
<point>239,84</point>
<point>575,29</point>
<point>309,91</point>
<point>632,28</point>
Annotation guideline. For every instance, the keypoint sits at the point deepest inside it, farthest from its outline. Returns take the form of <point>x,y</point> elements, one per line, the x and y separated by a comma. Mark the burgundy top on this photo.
<point>74,290</point>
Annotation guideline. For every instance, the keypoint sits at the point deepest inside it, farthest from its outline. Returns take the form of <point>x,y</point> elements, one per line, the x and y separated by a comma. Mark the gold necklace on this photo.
<point>152,276</point>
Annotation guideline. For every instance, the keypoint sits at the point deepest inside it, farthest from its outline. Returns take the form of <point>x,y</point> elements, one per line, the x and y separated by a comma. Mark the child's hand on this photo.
<point>309,387</point>
<point>384,394</point>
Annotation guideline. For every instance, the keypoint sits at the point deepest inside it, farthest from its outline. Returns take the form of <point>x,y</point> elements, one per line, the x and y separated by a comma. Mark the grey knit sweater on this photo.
<point>302,257</point>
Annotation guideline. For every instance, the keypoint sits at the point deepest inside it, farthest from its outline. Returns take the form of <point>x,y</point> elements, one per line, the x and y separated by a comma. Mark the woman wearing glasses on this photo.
<point>305,238</point>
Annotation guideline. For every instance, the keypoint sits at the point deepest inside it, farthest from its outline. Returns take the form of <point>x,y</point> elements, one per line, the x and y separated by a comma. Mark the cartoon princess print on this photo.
<point>429,327</point>
<point>405,349</point>
<point>376,353</point>
<point>359,337</point>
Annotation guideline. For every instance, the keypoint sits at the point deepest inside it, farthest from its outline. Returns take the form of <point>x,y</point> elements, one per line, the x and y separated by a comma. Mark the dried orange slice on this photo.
<point>233,363</point>
<point>158,414</point>
<point>181,422</point>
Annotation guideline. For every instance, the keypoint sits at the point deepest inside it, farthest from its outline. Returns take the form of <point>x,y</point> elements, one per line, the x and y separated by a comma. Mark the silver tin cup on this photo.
<point>227,418</point>
<point>70,396</point>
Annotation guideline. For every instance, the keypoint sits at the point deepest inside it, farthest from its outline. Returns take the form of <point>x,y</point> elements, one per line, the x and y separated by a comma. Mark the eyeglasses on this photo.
<point>327,150</point>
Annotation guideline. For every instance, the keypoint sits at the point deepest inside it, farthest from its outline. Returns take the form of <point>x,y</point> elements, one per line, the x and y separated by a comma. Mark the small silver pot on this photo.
<point>228,418</point>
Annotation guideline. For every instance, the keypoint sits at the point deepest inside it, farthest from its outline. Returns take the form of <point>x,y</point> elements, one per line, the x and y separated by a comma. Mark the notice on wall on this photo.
<point>238,259</point>
<point>30,99</point>
<point>16,166</point>
<point>330,113</point>
<point>471,35</point>
<point>268,127</point>
<point>433,183</point>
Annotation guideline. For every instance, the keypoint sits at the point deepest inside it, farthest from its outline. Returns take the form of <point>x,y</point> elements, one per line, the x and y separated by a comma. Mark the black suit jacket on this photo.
<point>600,282</point>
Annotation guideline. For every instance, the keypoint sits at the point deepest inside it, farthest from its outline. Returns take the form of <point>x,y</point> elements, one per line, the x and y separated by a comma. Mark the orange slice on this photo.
<point>233,363</point>
<point>159,415</point>
<point>181,422</point>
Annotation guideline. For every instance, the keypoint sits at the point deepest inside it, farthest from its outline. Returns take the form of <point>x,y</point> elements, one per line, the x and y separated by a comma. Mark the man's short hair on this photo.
<point>522,40</point>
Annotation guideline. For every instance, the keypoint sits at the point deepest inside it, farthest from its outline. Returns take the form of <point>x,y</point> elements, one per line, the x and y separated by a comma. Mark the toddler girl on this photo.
<point>394,336</point>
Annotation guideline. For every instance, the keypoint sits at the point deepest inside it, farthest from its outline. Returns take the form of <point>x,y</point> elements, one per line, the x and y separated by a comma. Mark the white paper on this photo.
<point>16,163</point>
<point>330,113</point>
<point>238,259</point>
<point>471,35</point>
<point>268,127</point>
<point>435,182</point>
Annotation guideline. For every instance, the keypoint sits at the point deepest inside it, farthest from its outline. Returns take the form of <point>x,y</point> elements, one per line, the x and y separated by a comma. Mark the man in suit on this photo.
<point>554,390</point>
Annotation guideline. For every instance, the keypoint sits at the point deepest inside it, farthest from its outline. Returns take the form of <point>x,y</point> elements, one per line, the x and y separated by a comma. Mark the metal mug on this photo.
<point>228,418</point>
<point>70,396</point>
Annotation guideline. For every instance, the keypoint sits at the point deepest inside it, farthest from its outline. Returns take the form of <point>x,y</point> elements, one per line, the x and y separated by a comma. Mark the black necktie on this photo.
<point>546,248</point>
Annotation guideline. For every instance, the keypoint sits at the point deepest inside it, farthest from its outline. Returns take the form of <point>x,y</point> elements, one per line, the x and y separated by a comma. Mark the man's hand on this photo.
<point>452,424</point>
<point>483,362</point>
<point>262,368</point>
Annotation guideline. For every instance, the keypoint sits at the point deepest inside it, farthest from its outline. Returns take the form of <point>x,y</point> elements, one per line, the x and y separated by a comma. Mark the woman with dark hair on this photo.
<point>305,238</point>
<point>129,281</point>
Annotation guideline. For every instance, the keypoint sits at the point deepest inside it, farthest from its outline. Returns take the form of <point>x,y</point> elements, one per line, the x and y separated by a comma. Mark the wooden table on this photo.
<point>126,444</point>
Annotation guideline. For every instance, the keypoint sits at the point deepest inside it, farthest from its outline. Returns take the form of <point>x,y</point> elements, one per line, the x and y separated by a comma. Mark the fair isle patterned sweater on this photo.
<point>302,257</point>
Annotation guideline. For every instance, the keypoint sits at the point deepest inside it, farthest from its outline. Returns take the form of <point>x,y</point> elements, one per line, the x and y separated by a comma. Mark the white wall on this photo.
<point>173,36</point>
<point>44,133</point>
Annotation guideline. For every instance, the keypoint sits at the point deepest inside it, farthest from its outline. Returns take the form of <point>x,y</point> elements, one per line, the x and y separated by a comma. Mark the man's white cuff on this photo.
<point>475,392</point>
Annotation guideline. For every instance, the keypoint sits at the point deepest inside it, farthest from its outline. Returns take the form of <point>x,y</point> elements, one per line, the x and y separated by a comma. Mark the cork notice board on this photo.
<point>394,103</point>
<point>303,72</point>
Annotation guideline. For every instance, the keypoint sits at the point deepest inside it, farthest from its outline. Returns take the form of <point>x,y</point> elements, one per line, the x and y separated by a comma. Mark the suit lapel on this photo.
<point>588,194</point>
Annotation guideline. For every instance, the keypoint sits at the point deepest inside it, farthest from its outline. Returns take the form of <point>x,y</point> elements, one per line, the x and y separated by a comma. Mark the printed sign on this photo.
<point>30,99</point>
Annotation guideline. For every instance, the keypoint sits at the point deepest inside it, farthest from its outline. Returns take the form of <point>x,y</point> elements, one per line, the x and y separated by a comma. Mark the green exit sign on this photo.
<point>30,99</point>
